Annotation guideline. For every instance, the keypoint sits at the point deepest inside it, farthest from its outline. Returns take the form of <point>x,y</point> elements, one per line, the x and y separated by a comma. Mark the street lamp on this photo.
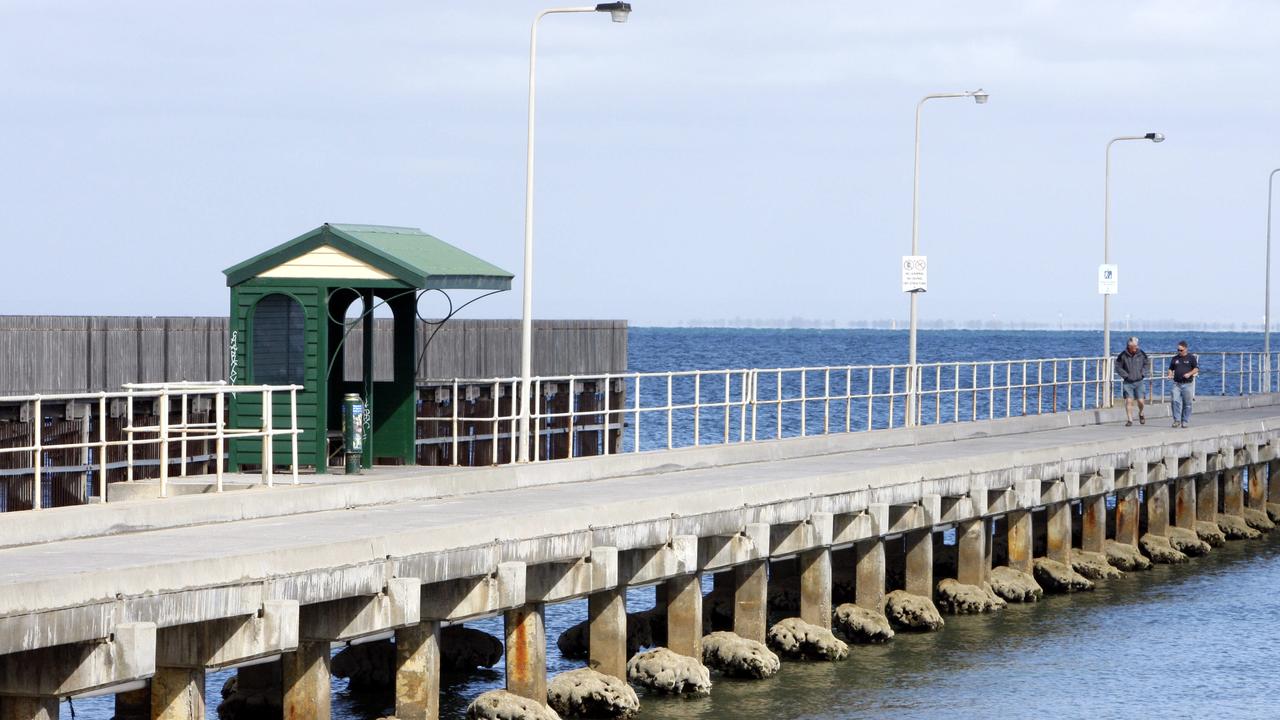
<point>618,12</point>
<point>980,97</point>
<point>1106,241</point>
<point>1266,313</point>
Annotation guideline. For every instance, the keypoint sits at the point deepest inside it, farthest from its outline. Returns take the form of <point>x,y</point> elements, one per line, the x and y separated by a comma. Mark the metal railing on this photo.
<point>173,428</point>
<point>1221,373</point>
<point>704,407</point>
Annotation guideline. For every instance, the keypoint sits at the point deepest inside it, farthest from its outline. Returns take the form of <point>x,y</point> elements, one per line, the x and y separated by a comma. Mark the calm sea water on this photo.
<point>1194,640</point>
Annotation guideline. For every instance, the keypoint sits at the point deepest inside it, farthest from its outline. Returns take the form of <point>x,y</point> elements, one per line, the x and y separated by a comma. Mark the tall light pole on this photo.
<point>980,97</point>
<point>1266,312</point>
<point>618,11</point>
<point>1106,241</point>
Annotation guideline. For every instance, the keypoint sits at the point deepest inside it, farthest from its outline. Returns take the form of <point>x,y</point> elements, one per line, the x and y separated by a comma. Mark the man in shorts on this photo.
<point>1132,367</point>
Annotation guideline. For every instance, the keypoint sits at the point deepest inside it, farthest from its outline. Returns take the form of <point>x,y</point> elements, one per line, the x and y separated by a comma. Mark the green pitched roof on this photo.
<point>408,254</point>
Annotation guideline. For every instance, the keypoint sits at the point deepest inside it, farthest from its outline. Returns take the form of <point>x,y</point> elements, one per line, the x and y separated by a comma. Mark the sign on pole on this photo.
<point>915,273</point>
<point>1108,279</point>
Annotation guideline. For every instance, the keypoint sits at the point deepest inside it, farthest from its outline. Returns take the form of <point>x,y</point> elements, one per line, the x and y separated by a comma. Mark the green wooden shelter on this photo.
<point>288,326</point>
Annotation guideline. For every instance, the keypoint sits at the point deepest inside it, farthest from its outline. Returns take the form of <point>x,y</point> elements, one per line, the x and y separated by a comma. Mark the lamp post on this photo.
<point>1266,312</point>
<point>1106,249</point>
<point>618,12</point>
<point>980,97</point>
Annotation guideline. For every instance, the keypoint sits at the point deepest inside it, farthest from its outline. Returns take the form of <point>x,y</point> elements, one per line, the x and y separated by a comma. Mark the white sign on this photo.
<point>915,273</point>
<point>1108,279</point>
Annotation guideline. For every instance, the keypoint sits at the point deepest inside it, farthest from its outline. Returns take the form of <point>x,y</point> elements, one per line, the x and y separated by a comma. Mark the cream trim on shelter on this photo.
<point>326,262</point>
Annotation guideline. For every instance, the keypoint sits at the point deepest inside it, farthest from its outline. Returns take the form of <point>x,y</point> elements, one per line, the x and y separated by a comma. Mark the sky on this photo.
<point>702,161</point>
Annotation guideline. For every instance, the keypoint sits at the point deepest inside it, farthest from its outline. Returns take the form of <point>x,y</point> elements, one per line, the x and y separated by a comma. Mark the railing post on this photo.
<point>917,382</point>
<point>537,421</point>
<point>102,446</point>
<point>37,436</point>
<point>607,384</point>
<point>955,393</point>
<point>164,443</point>
<point>183,425</point>
<point>1024,388</point>
<point>804,403</point>
<point>493,446</point>
<point>892,377</point>
<point>268,460</point>
<point>219,403</point>
<point>635,403</point>
<point>871,396</point>
<point>1070,382</point>
<point>849,399</point>
<point>974,384</point>
<point>697,408</point>
<point>728,397</point>
<point>909,412</point>
<point>937,394</point>
<point>293,432</point>
<point>128,446</point>
<point>453,424</point>
<point>669,410</point>
<point>1008,388</point>
<point>571,427</point>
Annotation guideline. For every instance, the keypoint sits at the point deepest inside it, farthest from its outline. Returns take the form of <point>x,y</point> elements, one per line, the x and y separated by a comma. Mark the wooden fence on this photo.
<point>48,354</point>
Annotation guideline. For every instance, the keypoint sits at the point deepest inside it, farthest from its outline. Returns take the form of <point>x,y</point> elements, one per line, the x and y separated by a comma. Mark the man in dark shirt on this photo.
<point>1133,366</point>
<point>1183,369</point>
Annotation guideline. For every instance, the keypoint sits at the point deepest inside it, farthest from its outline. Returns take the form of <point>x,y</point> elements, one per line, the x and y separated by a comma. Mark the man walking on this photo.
<point>1183,369</point>
<point>1133,366</point>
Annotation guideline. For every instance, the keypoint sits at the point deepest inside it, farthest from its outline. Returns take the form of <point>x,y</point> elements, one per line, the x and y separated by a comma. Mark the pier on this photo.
<point>123,596</point>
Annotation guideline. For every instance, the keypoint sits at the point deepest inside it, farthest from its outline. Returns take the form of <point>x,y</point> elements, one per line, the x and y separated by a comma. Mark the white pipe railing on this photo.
<point>700,407</point>
<point>162,434</point>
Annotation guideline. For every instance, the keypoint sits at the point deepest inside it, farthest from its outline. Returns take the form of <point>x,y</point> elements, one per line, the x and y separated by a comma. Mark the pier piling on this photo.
<point>306,681</point>
<point>418,671</point>
<point>607,632</point>
<point>526,652</point>
<point>1207,497</point>
<point>1127,513</point>
<point>684,615</point>
<point>1257,498</point>
<point>1019,530</point>
<point>1093,520</point>
<point>177,694</point>
<point>1158,509</point>
<point>815,587</point>
<point>869,582</point>
<point>1233,492</point>
<point>1058,532</point>
<point>972,556</point>
<point>919,563</point>
<point>1184,514</point>
<point>1273,487</point>
<point>751,600</point>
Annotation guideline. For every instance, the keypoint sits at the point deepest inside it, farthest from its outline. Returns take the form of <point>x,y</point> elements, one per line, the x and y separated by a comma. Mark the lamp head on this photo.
<point>980,96</point>
<point>1155,137</point>
<point>618,11</point>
